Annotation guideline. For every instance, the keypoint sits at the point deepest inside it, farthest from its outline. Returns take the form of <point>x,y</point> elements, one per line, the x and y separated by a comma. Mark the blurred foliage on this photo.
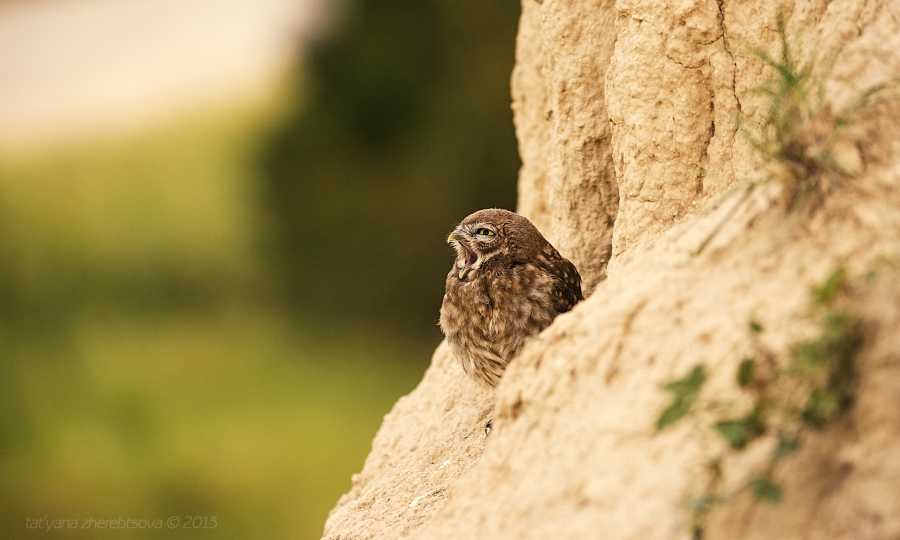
<point>806,388</point>
<point>144,371</point>
<point>148,368</point>
<point>402,127</point>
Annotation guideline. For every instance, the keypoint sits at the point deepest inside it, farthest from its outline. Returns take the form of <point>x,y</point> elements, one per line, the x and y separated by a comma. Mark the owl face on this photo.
<point>475,242</point>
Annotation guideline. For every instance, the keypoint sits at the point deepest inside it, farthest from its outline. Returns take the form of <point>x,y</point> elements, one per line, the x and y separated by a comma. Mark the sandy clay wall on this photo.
<point>635,168</point>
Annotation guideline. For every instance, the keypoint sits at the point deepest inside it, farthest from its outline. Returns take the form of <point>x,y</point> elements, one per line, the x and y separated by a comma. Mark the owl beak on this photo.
<point>458,240</point>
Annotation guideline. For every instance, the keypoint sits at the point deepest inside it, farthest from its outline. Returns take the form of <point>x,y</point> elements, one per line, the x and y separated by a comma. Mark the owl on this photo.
<point>507,284</point>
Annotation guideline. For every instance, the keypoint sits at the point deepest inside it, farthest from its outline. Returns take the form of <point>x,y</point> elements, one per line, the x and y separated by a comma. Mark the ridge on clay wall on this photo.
<point>624,113</point>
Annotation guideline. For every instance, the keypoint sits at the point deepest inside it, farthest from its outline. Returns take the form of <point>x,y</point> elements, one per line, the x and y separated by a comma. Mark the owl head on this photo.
<point>491,234</point>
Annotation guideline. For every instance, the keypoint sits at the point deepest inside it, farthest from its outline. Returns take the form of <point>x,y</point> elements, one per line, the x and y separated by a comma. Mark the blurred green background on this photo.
<point>211,317</point>
<point>404,127</point>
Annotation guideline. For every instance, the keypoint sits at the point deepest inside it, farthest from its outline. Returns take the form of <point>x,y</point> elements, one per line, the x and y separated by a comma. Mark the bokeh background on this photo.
<point>222,249</point>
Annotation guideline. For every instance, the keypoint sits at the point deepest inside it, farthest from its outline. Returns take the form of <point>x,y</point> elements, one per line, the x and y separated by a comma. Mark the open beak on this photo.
<point>464,251</point>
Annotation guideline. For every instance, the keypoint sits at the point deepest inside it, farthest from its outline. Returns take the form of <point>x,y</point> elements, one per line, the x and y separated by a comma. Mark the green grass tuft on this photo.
<point>796,137</point>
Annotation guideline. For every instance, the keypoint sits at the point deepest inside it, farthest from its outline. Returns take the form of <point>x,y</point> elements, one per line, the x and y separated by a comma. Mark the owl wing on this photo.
<point>566,284</point>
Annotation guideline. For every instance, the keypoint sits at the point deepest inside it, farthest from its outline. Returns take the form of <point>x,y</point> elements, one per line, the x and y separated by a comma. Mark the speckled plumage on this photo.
<point>507,284</point>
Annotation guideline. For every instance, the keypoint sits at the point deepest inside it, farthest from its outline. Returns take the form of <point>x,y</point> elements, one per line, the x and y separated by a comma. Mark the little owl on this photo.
<point>508,283</point>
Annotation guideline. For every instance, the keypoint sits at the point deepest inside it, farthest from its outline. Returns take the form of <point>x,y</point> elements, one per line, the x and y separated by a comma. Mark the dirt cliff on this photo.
<point>654,158</point>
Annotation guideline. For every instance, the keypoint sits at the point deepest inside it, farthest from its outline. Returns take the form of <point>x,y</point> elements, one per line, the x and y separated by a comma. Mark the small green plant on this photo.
<point>795,105</point>
<point>806,391</point>
<point>684,392</point>
<point>798,133</point>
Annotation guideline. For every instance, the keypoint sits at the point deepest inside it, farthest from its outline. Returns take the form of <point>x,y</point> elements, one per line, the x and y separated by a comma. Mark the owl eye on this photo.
<point>485,232</point>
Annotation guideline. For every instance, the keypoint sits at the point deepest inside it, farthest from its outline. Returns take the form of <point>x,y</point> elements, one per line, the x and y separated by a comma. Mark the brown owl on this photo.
<point>508,283</point>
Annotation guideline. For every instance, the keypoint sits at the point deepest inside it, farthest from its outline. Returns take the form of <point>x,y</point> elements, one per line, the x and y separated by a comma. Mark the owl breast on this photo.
<point>488,319</point>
